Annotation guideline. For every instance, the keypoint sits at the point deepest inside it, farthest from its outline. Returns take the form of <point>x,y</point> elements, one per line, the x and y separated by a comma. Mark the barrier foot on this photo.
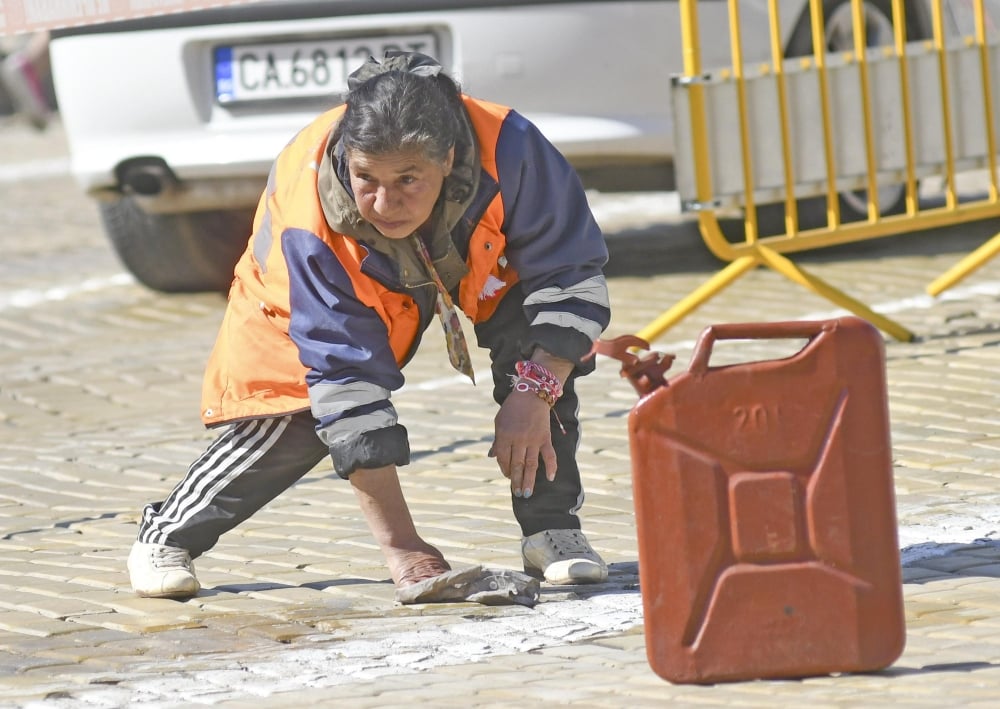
<point>702,293</point>
<point>967,265</point>
<point>772,259</point>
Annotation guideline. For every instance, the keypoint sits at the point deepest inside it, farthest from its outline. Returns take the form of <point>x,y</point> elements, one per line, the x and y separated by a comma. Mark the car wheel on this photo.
<point>177,253</point>
<point>839,28</point>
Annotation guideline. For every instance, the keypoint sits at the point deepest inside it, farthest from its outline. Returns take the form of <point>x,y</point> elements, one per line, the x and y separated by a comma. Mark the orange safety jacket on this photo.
<point>315,321</point>
<point>254,369</point>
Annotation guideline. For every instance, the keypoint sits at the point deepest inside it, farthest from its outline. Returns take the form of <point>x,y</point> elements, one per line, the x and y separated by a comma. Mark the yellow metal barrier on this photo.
<point>903,112</point>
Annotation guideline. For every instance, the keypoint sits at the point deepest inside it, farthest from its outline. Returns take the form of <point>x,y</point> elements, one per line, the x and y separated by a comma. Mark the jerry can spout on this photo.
<point>645,372</point>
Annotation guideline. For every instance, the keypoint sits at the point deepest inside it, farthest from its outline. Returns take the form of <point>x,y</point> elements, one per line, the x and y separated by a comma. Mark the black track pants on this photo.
<point>247,466</point>
<point>552,505</point>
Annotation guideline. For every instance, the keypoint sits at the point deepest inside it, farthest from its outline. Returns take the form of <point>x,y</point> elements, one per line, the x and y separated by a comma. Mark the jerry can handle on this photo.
<point>645,372</point>
<point>808,329</point>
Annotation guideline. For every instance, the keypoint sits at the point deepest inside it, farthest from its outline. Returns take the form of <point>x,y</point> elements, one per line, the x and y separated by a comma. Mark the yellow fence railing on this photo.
<point>855,120</point>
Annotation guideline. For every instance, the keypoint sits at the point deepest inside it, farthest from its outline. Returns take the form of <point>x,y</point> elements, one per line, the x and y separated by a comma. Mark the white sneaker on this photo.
<point>159,571</point>
<point>563,557</point>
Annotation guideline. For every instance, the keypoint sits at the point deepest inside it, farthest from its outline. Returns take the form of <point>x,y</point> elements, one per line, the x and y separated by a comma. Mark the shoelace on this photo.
<point>570,544</point>
<point>171,558</point>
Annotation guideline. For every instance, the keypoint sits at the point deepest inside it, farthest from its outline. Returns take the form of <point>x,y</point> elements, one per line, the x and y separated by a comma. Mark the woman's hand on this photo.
<point>523,436</point>
<point>524,431</point>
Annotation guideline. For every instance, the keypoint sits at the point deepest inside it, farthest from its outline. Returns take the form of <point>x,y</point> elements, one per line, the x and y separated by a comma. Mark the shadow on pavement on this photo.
<point>65,524</point>
<point>260,586</point>
<point>933,561</point>
<point>658,249</point>
<point>971,666</point>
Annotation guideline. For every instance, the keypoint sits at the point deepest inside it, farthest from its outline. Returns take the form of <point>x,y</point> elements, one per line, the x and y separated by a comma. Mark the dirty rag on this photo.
<point>477,584</point>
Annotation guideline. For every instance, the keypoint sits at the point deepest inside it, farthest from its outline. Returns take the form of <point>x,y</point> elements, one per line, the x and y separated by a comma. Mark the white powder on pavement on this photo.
<point>552,623</point>
<point>391,652</point>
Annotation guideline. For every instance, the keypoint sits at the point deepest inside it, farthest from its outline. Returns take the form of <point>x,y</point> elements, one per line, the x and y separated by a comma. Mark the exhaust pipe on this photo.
<point>146,177</point>
<point>156,189</point>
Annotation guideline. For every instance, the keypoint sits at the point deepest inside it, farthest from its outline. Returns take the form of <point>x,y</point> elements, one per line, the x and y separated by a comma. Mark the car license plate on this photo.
<point>255,72</point>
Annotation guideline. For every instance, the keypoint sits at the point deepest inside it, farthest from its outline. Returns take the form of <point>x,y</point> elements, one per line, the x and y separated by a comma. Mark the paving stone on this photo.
<point>28,623</point>
<point>137,623</point>
<point>278,632</point>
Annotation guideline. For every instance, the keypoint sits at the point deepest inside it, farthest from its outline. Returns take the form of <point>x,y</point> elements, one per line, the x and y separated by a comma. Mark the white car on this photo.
<point>173,121</point>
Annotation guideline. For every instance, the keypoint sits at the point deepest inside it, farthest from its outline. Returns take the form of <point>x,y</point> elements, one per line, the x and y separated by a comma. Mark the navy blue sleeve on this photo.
<point>345,346</point>
<point>553,241</point>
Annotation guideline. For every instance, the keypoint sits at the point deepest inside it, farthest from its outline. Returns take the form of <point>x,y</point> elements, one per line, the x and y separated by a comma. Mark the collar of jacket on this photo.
<point>457,193</point>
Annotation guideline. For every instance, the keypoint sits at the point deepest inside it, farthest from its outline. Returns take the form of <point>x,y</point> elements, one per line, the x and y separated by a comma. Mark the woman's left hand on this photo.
<point>523,436</point>
<point>524,431</point>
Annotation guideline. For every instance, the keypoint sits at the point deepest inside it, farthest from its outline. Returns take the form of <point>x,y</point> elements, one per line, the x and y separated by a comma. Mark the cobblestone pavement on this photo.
<point>98,397</point>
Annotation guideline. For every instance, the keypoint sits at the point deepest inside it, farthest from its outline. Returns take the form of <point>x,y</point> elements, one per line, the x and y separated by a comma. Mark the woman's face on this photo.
<point>396,193</point>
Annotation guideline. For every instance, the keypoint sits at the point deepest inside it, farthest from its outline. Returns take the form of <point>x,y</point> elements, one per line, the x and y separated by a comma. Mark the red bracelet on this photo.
<point>533,371</point>
<point>535,378</point>
<point>523,384</point>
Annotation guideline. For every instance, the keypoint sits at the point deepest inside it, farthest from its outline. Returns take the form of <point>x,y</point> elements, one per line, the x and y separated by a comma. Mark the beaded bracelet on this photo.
<point>535,378</point>
<point>533,371</point>
<point>542,392</point>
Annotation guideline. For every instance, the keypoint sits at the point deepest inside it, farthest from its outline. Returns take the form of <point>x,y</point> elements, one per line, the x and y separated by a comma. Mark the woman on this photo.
<point>378,213</point>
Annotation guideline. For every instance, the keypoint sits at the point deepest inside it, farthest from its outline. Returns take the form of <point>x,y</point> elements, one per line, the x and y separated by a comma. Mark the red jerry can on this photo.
<point>765,508</point>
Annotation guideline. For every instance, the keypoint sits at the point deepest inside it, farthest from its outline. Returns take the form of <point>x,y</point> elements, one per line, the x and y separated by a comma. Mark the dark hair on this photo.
<point>398,111</point>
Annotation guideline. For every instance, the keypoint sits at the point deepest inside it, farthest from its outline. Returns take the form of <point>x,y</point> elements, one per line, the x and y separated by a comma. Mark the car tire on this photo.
<point>853,205</point>
<point>177,253</point>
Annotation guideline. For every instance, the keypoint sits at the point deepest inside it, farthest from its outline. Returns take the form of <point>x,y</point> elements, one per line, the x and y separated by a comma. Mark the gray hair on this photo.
<point>398,111</point>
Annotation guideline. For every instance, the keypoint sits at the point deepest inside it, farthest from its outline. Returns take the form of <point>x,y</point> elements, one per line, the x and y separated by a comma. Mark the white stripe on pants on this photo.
<point>247,466</point>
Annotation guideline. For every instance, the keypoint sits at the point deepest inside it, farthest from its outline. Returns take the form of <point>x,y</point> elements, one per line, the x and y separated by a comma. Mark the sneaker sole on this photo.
<point>166,594</point>
<point>569,579</point>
